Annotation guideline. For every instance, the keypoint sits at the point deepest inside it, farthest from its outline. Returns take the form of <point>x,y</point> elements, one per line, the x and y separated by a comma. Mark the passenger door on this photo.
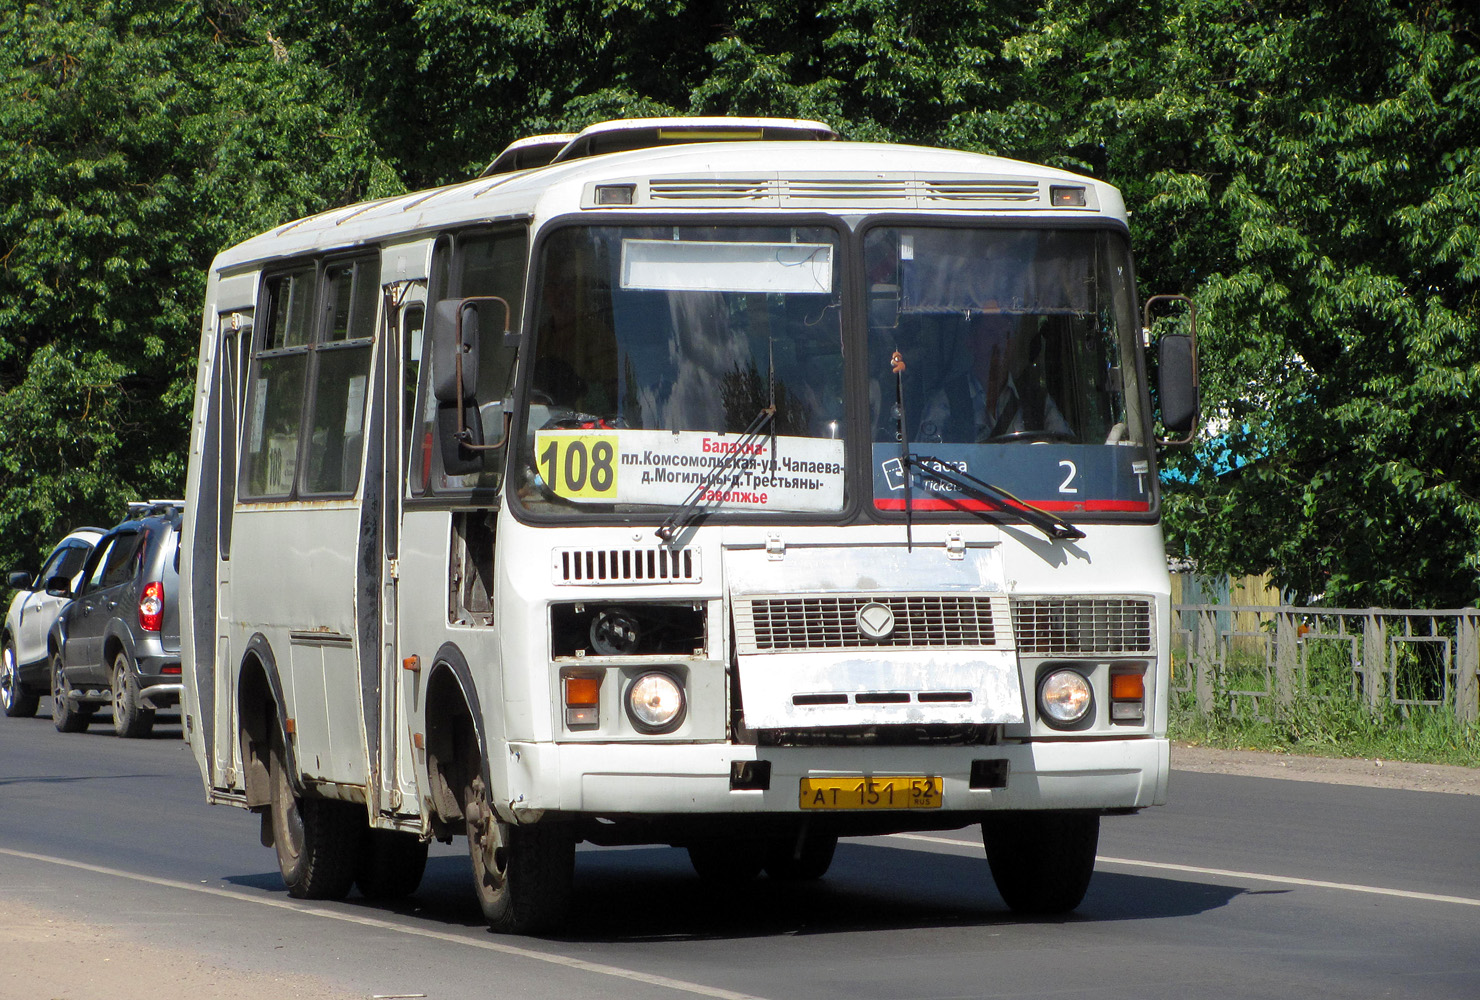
<point>405,305</point>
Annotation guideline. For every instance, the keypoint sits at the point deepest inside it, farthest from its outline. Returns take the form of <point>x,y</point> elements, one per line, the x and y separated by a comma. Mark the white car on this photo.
<point>24,671</point>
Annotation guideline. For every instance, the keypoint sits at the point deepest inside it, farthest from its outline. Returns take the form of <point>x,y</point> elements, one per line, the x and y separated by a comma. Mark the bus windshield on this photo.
<point>1008,337</point>
<point>657,348</point>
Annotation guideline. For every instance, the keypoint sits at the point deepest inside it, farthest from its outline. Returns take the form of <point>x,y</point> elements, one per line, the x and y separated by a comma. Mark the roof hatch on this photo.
<point>645,133</point>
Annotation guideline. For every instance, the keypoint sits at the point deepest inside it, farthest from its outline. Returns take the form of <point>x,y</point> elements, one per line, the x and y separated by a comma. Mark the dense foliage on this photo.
<point>1309,171</point>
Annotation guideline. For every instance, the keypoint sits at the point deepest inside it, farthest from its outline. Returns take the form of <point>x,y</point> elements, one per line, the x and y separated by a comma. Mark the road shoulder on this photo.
<point>1333,770</point>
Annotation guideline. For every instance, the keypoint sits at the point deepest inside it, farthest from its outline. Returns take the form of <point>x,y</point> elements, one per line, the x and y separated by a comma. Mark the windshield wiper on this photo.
<point>688,509</point>
<point>942,471</point>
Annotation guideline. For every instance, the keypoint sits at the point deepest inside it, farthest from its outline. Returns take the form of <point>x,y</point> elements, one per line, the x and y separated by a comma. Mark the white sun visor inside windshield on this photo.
<point>688,266</point>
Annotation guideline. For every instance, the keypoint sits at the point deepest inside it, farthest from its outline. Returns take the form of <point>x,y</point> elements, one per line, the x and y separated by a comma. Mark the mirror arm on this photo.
<point>464,436</point>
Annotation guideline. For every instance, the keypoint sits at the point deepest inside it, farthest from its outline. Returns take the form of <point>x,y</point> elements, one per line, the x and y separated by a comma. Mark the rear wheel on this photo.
<point>130,717</point>
<point>391,864</point>
<point>317,840</point>
<point>16,699</point>
<point>728,861</point>
<point>1042,861</point>
<point>66,714</point>
<point>789,864</point>
<point>523,875</point>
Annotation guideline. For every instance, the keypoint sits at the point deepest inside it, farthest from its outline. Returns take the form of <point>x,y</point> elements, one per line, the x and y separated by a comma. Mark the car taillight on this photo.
<point>151,607</point>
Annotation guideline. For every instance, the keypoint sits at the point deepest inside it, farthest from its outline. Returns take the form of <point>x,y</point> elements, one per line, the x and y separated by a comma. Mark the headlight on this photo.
<point>655,702</point>
<point>1064,698</point>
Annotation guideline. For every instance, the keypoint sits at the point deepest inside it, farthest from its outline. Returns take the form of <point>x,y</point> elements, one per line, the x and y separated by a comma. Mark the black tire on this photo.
<point>523,876</point>
<point>728,862</point>
<point>317,840</point>
<point>811,863</point>
<point>131,719</point>
<point>67,715</point>
<point>1042,861</point>
<point>18,701</point>
<point>391,864</point>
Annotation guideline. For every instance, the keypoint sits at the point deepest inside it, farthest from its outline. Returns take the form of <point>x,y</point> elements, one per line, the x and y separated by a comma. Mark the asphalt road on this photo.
<point>1240,888</point>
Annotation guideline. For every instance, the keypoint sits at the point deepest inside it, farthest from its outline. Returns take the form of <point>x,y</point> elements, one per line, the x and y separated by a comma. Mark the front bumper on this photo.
<point>638,779</point>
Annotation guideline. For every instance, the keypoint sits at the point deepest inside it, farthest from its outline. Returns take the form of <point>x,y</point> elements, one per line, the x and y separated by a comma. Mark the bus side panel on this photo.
<point>295,569</point>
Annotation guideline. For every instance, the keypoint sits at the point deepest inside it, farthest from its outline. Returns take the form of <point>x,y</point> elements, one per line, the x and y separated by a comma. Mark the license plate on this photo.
<point>886,792</point>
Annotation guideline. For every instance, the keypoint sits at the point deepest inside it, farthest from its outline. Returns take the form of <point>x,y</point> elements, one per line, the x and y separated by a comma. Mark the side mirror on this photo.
<point>19,581</point>
<point>460,436</point>
<point>1176,365</point>
<point>59,586</point>
<point>455,351</point>
<point>1176,373</point>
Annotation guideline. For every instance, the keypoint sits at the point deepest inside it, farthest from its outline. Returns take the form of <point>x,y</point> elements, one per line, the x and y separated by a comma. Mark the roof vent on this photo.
<point>528,153</point>
<point>645,133</point>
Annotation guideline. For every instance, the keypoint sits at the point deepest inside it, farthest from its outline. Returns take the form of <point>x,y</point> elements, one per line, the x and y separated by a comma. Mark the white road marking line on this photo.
<point>682,986</point>
<point>1427,897</point>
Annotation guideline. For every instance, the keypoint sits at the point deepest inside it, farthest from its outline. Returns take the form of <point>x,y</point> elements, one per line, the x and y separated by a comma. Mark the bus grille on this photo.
<point>920,622</point>
<point>1095,626</point>
<point>589,567</point>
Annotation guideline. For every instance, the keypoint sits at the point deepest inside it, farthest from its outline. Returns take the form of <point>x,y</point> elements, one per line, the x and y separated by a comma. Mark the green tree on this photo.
<point>1308,171</point>
<point>136,140</point>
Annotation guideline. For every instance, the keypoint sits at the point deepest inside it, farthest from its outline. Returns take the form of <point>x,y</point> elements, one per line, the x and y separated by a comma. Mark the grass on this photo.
<point>1326,716</point>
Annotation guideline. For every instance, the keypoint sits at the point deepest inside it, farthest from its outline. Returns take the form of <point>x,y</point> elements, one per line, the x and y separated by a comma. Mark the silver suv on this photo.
<point>23,671</point>
<point>119,639</point>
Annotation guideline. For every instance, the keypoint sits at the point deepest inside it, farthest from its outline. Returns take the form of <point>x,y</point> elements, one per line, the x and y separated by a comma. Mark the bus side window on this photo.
<point>342,378</point>
<point>275,393</point>
<point>413,328</point>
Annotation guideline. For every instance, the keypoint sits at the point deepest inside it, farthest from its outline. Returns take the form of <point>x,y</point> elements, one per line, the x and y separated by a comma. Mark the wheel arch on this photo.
<point>117,639</point>
<point>453,716</point>
<point>260,709</point>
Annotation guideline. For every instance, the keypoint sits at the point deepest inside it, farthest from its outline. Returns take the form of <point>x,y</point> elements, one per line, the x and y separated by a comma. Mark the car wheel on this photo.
<point>18,701</point>
<point>317,840</point>
<point>1042,861</point>
<point>391,864</point>
<point>523,876</point>
<point>131,719</point>
<point>66,714</point>
<point>812,862</point>
<point>728,861</point>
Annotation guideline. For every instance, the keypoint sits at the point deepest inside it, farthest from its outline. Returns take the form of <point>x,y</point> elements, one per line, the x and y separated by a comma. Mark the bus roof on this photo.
<point>724,175</point>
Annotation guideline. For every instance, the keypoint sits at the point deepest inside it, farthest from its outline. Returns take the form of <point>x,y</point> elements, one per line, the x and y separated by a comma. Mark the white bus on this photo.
<point>704,482</point>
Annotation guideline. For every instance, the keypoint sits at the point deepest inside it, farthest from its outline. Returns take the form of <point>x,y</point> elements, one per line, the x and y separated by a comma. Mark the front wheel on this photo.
<point>131,719</point>
<point>17,701</point>
<point>67,715</point>
<point>317,840</point>
<point>523,875</point>
<point>1042,861</point>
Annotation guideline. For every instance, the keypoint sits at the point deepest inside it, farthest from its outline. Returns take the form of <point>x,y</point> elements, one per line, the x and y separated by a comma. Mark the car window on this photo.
<point>67,562</point>
<point>55,566</point>
<point>117,562</point>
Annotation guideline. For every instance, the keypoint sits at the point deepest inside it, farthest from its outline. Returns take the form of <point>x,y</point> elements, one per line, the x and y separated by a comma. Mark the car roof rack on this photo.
<point>152,508</point>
